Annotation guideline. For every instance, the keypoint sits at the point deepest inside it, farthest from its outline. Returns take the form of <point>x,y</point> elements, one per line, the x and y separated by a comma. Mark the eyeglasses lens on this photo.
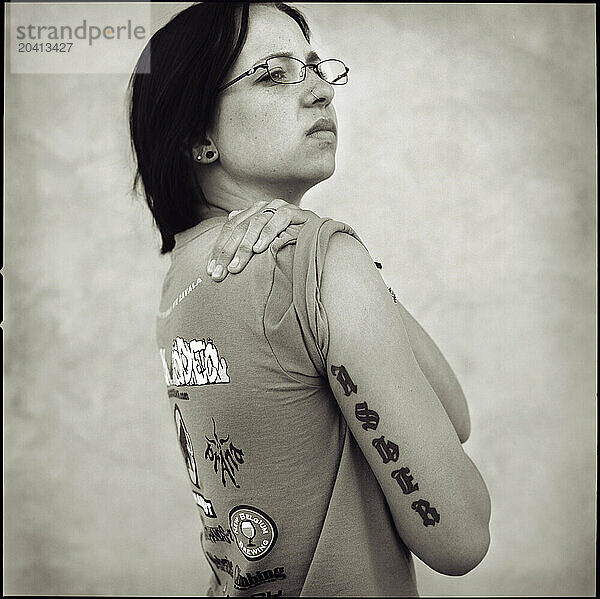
<point>283,69</point>
<point>333,71</point>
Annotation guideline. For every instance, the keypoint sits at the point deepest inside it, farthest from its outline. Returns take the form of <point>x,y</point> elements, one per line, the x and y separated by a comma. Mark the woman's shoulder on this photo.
<point>293,308</point>
<point>310,240</point>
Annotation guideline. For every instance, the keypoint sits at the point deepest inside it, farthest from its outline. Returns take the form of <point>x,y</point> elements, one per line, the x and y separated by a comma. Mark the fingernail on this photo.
<point>234,263</point>
<point>218,272</point>
<point>211,265</point>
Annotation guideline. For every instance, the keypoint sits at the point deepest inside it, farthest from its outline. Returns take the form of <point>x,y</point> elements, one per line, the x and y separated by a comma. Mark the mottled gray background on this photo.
<point>467,165</point>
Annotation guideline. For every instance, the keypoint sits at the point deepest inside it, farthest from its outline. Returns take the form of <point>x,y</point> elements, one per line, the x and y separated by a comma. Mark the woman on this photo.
<point>320,426</point>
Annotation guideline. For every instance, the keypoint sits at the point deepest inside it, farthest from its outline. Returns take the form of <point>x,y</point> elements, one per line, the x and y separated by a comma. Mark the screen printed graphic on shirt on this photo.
<point>211,313</point>
<point>185,444</point>
<point>204,504</point>
<point>245,580</point>
<point>195,362</point>
<point>255,533</point>
<point>224,455</point>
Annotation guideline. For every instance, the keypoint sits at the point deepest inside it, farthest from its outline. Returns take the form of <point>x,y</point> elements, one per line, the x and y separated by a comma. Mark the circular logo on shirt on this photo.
<point>255,533</point>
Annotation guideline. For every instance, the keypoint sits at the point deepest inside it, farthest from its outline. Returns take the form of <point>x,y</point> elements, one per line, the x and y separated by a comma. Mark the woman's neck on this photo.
<point>223,197</point>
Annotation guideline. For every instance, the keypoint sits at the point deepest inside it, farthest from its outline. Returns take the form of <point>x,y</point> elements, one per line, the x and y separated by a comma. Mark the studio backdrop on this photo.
<point>466,163</point>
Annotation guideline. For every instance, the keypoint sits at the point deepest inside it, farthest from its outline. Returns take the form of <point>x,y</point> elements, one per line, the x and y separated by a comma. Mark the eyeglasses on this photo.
<point>288,70</point>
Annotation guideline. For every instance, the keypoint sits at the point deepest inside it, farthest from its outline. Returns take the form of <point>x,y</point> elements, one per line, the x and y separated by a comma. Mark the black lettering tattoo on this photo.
<point>369,418</point>
<point>388,450</point>
<point>429,514</point>
<point>343,378</point>
<point>405,480</point>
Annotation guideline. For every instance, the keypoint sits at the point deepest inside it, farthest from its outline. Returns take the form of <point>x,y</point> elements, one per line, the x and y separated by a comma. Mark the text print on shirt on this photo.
<point>204,504</point>
<point>196,362</point>
<point>248,580</point>
<point>217,534</point>
<point>181,296</point>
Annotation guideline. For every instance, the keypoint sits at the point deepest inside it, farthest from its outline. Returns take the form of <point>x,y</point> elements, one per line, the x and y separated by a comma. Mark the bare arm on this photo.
<point>440,375</point>
<point>438,500</point>
<point>238,238</point>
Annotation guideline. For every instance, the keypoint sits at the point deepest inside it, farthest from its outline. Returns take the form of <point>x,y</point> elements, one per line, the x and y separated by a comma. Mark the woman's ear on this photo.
<point>206,152</point>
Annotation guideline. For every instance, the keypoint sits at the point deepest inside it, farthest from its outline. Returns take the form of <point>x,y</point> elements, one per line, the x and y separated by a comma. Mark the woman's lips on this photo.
<point>323,125</point>
<point>323,134</point>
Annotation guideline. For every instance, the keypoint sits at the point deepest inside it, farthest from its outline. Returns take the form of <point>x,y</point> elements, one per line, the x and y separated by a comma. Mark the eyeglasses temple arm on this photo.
<point>341,76</point>
<point>248,72</point>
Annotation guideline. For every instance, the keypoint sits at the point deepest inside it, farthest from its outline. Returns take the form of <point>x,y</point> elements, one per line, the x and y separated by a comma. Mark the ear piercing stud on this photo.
<point>209,155</point>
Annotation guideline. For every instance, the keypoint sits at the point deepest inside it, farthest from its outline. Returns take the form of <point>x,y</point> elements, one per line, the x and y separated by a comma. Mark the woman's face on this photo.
<point>260,127</point>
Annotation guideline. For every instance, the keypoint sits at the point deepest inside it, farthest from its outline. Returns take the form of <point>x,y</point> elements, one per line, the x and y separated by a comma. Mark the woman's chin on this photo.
<point>322,169</point>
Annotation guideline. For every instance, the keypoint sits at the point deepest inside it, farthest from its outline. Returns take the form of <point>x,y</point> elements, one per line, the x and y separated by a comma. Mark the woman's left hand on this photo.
<point>251,231</point>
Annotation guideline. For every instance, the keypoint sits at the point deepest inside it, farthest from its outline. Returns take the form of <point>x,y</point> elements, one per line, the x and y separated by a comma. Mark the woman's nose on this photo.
<point>319,89</point>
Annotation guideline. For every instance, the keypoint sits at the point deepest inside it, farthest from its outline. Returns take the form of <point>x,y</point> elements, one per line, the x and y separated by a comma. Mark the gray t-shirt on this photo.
<point>288,504</point>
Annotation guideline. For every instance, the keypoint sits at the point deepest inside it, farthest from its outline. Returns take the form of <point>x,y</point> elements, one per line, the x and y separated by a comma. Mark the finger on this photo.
<point>227,230</point>
<point>279,222</point>
<point>277,203</point>
<point>233,213</point>
<point>287,214</point>
<point>224,235</point>
<point>229,241</point>
<point>245,212</point>
<point>253,219</point>
<point>227,251</point>
<point>301,215</point>
<point>246,248</point>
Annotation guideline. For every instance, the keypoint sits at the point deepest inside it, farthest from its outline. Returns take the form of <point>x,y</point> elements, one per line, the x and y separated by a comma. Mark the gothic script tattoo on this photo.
<point>429,514</point>
<point>343,378</point>
<point>405,480</point>
<point>369,418</point>
<point>388,450</point>
<point>227,458</point>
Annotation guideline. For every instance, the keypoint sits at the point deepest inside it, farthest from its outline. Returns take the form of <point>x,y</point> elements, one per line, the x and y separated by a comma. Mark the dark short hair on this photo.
<point>172,97</point>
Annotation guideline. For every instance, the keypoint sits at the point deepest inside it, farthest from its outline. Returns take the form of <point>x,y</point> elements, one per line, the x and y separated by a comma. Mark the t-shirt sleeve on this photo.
<point>295,320</point>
